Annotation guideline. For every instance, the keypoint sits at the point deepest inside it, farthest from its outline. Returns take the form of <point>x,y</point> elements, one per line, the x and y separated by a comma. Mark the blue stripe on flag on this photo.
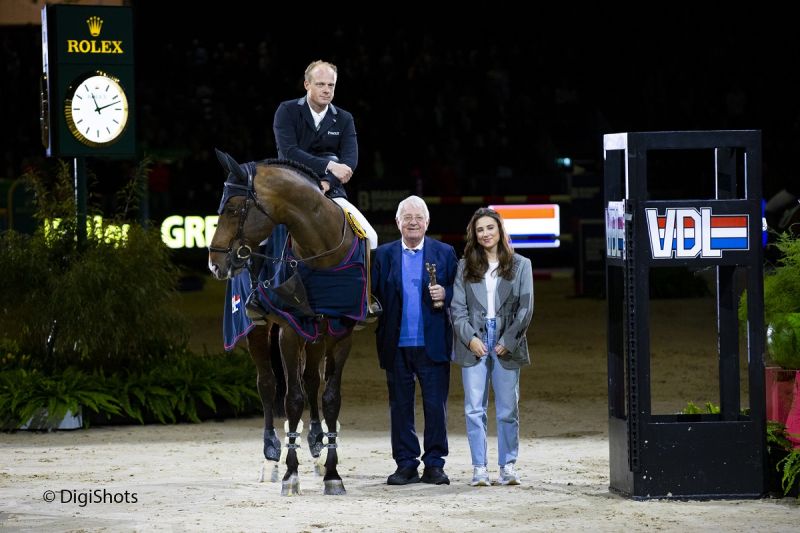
<point>729,243</point>
<point>687,243</point>
<point>533,238</point>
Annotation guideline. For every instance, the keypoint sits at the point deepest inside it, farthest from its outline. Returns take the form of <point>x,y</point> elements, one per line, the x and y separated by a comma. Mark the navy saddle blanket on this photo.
<point>236,324</point>
<point>339,294</point>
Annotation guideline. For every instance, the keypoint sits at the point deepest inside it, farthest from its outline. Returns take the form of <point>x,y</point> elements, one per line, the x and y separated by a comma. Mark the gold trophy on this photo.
<point>431,268</point>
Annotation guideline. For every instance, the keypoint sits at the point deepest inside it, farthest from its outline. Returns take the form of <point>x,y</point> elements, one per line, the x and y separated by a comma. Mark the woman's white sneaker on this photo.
<point>480,477</point>
<point>508,475</point>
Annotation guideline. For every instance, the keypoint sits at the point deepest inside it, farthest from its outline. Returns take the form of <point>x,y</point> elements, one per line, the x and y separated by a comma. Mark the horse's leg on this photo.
<point>258,343</point>
<point>311,382</point>
<point>291,349</point>
<point>277,369</point>
<point>336,356</point>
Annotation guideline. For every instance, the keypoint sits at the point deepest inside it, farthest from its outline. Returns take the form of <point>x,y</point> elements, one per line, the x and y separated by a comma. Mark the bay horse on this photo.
<point>256,198</point>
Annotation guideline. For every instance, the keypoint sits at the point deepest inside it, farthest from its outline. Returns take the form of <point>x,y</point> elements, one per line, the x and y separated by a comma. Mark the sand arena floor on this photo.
<point>203,477</point>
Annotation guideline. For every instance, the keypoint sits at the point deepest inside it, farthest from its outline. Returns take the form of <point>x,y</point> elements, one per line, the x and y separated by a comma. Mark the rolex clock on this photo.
<point>96,109</point>
<point>88,94</point>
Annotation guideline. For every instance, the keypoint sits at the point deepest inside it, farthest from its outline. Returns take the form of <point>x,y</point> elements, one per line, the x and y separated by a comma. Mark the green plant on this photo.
<point>31,395</point>
<point>776,436</point>
<point>790,465</point>
<point>692,409</point>
<point>104,303</point>
<point>174,389</point>
<point>782,304</point>
<point>170,391</point>
<point>783,340</point>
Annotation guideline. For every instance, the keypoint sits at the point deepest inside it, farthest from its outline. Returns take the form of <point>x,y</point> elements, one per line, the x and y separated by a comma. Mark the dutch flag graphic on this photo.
<point>728,232</point>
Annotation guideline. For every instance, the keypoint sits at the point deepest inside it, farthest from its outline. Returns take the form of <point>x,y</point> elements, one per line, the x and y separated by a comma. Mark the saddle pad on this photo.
<point>339,293</point>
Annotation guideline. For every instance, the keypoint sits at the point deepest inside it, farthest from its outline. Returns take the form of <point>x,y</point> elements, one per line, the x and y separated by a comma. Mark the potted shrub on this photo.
<point>782,373</point>
<point>782,316</point>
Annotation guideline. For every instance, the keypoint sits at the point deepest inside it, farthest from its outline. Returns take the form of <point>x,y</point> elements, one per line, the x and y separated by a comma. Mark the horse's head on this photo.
<point>243,221</point>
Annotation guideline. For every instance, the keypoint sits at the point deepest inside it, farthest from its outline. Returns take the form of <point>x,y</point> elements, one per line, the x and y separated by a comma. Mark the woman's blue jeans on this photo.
<point>505,384</point>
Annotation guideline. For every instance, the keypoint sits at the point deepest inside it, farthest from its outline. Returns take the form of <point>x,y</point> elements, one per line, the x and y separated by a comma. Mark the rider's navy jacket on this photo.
<point>300,141</point>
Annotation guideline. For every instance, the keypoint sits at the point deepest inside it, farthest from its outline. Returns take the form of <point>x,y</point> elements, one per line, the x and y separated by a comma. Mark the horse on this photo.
<point>257,197</point>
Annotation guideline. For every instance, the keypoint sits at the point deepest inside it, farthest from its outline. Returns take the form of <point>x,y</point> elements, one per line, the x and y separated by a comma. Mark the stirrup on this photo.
<point>374,310</point>
<point>255,310</point>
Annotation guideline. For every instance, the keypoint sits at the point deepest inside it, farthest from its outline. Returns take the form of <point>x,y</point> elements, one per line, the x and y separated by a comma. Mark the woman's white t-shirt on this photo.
<point>490,278</point>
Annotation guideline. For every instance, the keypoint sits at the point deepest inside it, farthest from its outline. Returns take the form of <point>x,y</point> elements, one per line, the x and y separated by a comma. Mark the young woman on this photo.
<point>491,309</point>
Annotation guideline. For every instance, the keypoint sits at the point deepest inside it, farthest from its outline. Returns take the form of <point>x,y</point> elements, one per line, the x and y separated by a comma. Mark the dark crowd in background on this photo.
<point>440,108</point>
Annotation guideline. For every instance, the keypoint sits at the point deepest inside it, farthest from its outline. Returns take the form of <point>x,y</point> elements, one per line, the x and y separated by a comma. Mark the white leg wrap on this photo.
<point>299,426</point>
<point>327,444</point>
<point>325,427</point>
<point>290,435</point>
<point>284,452</point>
<point>269,469</point>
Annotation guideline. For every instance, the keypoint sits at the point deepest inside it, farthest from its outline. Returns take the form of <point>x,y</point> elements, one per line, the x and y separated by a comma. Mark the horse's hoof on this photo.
<point>291,486</point>
<point>334,487</point>
<point>272,468</point>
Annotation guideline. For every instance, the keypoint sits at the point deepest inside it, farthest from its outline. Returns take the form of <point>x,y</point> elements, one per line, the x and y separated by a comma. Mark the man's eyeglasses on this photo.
<point>419,219</point>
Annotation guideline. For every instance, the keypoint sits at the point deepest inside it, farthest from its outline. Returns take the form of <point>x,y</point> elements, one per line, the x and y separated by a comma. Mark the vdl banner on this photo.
<point>678,231</point>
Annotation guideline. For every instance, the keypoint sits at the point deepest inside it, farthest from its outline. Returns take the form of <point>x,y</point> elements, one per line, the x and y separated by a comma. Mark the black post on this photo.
<point>80,200</point>
<point>653,455</point>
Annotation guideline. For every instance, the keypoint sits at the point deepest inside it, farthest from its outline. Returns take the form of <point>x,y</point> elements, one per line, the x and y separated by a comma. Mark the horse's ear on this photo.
<point>230,165</point>
<point>223,160</point>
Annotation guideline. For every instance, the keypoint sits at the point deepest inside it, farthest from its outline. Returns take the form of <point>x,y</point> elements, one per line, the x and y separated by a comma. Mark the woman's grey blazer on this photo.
<point>513,310</point>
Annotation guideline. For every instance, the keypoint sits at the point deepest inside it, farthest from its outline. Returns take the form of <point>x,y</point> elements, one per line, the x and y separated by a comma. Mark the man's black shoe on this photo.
<point>435,476</point>
<point>404,476</point>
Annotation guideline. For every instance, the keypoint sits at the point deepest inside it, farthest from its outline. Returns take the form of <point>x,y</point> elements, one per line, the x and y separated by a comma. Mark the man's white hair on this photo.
<point>412,201</point>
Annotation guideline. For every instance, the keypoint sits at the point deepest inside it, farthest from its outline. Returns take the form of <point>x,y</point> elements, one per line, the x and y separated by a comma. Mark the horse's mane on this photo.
<point>301,169</point>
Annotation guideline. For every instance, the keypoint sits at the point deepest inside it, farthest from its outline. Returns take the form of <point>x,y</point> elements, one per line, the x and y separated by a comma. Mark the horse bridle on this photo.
<point>241,255</point>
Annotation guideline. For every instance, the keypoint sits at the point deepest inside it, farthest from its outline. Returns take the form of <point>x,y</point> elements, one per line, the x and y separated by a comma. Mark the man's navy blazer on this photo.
<point>387,285</point>
<point>300,141</point>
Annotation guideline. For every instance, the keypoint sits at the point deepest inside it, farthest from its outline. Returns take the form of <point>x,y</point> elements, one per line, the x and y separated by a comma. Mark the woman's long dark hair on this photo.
<point>476,263</point>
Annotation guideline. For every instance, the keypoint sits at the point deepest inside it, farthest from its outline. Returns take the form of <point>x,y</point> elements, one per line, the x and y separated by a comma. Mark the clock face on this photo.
<point>96,109</point>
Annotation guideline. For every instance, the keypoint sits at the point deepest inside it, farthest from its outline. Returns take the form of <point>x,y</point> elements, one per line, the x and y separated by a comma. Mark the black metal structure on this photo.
<point>684,456</point>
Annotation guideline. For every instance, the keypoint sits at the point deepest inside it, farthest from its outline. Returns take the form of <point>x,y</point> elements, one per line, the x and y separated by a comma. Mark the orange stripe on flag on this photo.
<point>728,222</point>
<point>526,212</point>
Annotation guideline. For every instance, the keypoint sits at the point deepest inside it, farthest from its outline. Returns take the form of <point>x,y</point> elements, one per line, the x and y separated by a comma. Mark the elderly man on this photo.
<point>415,339</point>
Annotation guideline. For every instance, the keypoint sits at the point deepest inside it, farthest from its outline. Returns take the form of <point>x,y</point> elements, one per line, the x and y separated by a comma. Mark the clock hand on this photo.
<point>105,106</point>
<point>96,107</point>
